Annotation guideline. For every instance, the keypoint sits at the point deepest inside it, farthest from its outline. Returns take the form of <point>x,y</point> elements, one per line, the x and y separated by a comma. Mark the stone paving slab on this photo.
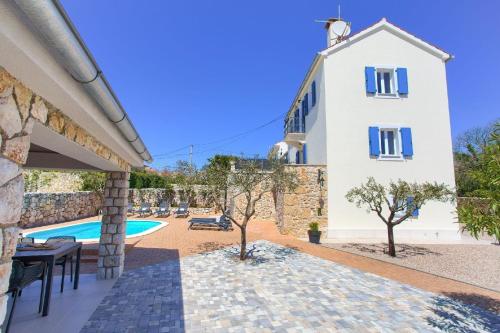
<point>278,290</point>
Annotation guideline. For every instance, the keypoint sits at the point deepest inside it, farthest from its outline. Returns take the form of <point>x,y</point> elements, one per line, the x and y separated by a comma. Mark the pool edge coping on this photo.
<point>94,240</point>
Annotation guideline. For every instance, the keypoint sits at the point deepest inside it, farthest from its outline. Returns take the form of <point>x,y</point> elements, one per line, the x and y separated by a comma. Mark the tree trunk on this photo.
<point>390,236</point>
<point>243,250</point>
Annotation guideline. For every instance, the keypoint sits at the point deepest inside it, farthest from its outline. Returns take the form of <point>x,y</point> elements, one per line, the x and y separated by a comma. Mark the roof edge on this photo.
<point>310,71</point>
<point>385,24</point>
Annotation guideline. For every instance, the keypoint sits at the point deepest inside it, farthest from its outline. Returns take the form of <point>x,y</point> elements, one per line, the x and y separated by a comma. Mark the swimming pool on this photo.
<point>91,231</point>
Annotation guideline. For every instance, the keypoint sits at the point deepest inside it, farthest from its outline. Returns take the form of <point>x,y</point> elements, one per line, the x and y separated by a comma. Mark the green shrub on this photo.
<point>93,181</point>
<point>314,226</point>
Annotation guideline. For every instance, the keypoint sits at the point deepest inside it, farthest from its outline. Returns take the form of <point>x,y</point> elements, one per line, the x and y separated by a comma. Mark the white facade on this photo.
<point>337,127</point>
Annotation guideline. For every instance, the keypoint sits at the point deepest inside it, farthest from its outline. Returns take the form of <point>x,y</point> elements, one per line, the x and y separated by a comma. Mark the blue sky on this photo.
<point>198,72</point>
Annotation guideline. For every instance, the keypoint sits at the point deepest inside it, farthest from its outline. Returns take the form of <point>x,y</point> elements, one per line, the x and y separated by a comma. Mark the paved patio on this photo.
<point>176,241</point>
<point>279,290</point>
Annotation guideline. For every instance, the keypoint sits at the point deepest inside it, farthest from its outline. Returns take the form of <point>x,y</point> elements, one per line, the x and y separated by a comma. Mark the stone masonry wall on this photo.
<point>48,208</point>
<point>19,109</point>
<point>295,210</point>
<point>23,107</point>
<point>265,208</point>
<point>154,196</point>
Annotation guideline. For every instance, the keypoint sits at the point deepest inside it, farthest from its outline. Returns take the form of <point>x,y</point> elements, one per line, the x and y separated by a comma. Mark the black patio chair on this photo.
<point>182,210</point>
<point>22,276</point>
<point>145,209</point>
<point>221,223</point>
<point>62,261</point>
<point>163,210</point>
<point>26,240</point>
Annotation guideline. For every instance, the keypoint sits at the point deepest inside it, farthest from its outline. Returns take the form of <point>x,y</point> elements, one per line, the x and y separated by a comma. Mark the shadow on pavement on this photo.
<point>146,299</point>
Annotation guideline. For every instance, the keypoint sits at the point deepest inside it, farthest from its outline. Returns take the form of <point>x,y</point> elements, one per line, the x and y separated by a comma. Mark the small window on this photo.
<point>389,143</point>
<point>385,81</point>
<point>399,213</point>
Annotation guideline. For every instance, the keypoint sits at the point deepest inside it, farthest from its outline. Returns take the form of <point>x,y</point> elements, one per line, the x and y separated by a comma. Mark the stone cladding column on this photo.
<point>114,216</point>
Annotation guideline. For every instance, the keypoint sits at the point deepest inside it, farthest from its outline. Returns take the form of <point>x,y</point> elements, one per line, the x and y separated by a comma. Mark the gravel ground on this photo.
<point>475,264</point>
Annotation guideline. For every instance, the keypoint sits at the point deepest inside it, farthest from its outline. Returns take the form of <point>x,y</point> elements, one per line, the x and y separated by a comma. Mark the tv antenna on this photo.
<point>337,28</point>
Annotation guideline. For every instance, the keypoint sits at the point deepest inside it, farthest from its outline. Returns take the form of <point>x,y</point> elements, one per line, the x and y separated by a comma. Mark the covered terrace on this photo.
<point>57,111</point>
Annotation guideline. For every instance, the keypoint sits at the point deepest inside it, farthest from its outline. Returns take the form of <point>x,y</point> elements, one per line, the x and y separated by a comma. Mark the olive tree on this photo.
<point>249,183</point>
<point>187,177</point>
<point>397,202</point>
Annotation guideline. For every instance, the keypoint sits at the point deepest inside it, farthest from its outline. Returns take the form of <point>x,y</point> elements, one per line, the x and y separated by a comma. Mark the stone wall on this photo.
<point>293,211</point>
<point>306,204</point>
<point>21,107</point>
<point>265,208</point>
<point>154,196</point>
<point>48,208</point>
<point>43,181</point>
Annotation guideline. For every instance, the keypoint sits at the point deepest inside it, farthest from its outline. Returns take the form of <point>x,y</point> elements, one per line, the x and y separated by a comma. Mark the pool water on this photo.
<point>92,230</point>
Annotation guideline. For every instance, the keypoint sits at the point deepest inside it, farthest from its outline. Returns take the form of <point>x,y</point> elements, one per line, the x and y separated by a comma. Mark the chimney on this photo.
<point>332,37</point>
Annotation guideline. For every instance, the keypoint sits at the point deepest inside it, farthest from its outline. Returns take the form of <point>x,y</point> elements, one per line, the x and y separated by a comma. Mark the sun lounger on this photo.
<point>221,223</point>
<point>163,210</point>
<point>130,209</point>
<point>145,209</point>
<point>182,211</point>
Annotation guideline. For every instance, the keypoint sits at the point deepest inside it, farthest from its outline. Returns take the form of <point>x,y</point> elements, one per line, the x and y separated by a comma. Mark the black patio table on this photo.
<point>50,257</point>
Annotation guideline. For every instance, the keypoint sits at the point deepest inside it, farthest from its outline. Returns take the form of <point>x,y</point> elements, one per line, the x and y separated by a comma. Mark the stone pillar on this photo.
<point>19,109</point>
<point>114,215</point>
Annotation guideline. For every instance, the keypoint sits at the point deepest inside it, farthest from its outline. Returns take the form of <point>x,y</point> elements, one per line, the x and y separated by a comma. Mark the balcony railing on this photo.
<point>294,126</point>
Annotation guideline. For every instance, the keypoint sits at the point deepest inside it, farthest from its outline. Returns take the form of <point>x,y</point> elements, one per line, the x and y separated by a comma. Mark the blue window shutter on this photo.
<point>297,157</point>
<point>406,141</point>
<point>313,93</point>
<point>305,104</point>
<point>296,121</point>
<point>409,202</point>
<point>402,80</point>
<point>374,143</point>
<point>304,153</point>
<point>370,80</point>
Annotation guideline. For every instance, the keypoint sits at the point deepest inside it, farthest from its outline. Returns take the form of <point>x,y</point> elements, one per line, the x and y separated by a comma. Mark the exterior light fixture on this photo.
<point>321,179</point>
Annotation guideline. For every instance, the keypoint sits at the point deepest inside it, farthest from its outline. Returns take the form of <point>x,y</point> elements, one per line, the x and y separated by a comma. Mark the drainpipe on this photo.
<point>51,21</point>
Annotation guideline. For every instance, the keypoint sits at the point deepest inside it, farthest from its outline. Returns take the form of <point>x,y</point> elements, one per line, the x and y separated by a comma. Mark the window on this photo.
<point>303,123</point>
<point>296,121</point>
<point>385,81</point>
<point>389,143</point>
<point>400,205</point>
<point>408,204</point>
<point>305,105</point>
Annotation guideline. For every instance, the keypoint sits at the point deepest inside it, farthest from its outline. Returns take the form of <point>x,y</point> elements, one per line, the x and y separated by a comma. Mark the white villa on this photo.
<point>375,104</point>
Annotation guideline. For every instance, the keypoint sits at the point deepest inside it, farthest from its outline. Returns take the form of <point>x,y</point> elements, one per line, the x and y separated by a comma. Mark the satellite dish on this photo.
<point>340,28</point>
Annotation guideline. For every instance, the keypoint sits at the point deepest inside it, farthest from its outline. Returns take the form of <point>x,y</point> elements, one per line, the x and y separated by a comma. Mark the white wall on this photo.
<point>316,122</point>
<point>349,113</point>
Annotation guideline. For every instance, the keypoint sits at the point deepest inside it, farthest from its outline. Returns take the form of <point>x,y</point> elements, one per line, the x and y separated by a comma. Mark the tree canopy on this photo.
<point>398,201</point>
<point>477,216</point>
